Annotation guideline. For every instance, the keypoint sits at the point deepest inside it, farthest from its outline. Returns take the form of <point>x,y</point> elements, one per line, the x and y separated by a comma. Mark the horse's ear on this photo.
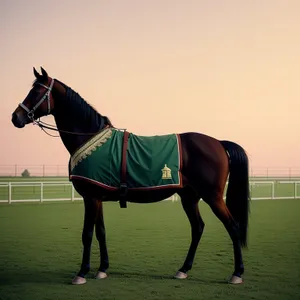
<point>36,74</point>
<point>44,73</point>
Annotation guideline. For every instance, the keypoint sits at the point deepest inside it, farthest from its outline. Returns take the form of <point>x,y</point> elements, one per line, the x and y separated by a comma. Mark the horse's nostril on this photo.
<point>14,117</point>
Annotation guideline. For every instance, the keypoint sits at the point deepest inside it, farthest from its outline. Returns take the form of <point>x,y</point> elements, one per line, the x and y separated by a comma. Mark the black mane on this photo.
<point>84,110</point>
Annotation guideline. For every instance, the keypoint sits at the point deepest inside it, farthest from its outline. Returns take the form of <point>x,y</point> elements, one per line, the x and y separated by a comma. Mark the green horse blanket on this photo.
<point>152,162</point>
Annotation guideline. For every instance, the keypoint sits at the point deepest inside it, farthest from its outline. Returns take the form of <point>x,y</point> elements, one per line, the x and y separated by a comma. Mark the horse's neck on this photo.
<point>66,121</point>
<point>71,141</point>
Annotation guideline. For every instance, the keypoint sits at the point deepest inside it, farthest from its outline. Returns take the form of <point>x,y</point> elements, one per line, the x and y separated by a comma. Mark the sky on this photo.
<point>228,69</point>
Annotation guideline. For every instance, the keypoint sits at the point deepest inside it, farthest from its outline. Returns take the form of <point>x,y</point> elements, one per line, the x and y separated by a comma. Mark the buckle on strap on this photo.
<point>123,189</point>
<point>123,194</point>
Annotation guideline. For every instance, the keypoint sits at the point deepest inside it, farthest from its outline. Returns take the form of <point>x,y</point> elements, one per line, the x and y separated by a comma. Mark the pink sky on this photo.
<point>229,69</point>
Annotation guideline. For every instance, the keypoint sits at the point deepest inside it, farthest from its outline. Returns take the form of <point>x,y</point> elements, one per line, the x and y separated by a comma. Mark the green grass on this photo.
<point>41,248</point>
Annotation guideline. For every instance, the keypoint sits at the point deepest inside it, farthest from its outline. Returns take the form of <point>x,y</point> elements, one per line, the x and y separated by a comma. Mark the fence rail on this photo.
<point>42,191</point>
<point>62,170</point>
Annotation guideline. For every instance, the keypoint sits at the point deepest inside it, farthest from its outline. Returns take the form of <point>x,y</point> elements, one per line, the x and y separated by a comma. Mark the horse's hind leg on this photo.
<point>190,206</point>
<point>100,234</point>
<point>220,209</point>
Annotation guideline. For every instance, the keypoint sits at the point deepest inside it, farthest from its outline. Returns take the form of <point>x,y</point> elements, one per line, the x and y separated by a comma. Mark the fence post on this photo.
<point>42,191</point>
<point>72,192</point>
<point>295,190</point>
<point>273,190</point>
<point>9,193</point>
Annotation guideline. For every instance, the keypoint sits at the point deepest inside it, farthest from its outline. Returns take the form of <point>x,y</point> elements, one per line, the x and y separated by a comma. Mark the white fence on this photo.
<point>11,192</point>
<point>37,191</point>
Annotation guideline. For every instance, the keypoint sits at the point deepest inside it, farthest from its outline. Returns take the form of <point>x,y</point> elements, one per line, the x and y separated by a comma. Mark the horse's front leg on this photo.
<point>100,234</point>
<point>87,236</point>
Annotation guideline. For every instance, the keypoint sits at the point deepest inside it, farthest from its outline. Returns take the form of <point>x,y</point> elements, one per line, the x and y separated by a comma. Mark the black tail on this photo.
<point>238,195</point>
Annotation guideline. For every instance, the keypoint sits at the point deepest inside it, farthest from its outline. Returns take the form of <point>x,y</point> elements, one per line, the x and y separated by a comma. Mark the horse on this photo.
<point>206,165</point>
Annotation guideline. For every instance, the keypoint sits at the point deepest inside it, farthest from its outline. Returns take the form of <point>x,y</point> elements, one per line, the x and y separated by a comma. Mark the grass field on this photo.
<point>41,248</point>
<point>286,189</point>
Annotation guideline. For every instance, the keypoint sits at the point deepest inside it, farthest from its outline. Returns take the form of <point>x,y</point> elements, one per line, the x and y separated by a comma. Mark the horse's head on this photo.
<point>38,103</point>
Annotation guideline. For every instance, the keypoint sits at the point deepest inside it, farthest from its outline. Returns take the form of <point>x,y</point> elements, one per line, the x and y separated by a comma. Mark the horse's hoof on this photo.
<point>235,280</point>
<point>78,280</point>
<point>100,275</point>
<point>180,275</point>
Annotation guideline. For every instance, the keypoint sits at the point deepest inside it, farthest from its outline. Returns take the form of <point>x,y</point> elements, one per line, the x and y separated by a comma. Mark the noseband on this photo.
<point>30,113</point>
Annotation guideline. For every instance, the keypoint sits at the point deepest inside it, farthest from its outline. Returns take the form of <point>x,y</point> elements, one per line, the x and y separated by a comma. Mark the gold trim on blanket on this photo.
<point>90,146</point>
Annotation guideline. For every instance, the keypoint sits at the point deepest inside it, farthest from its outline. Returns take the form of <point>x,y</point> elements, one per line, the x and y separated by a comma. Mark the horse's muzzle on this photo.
<point>19,122</point>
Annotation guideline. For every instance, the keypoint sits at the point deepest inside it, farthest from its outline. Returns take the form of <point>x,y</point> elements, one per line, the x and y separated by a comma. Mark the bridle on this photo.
<point>30,113</point>
<point>42,125</point>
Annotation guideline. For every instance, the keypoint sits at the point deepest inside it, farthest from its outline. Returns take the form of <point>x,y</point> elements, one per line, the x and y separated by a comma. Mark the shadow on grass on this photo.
<point>162,277</point>
<point>59,277</point>
<point>38,277</point>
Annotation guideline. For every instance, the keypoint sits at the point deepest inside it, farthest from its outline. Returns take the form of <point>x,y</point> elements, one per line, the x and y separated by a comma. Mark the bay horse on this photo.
<point>207,163</point>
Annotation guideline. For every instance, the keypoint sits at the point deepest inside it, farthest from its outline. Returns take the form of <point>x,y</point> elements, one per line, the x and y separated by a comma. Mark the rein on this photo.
<point>44,125</point>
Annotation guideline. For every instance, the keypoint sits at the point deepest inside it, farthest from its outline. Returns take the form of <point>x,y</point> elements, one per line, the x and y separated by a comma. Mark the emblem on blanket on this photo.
<point>152,162</point>
<point>166,173</point>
